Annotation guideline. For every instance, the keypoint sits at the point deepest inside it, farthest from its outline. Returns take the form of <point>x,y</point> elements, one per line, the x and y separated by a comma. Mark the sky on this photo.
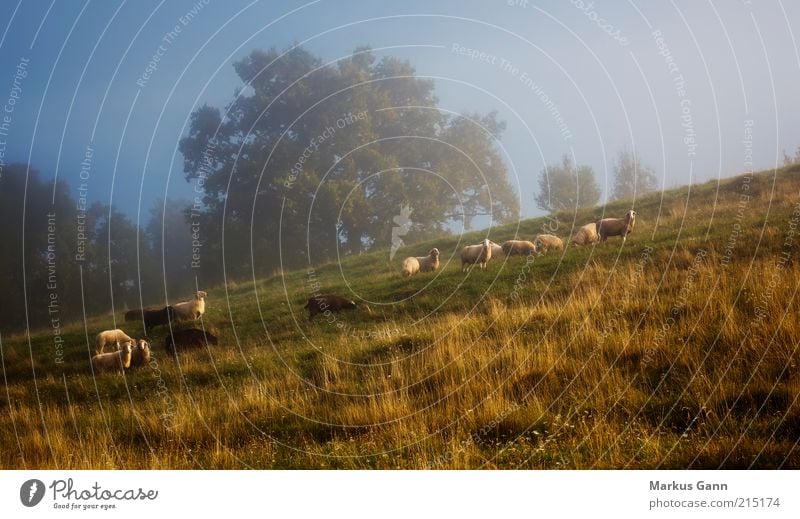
<point>683,83</point>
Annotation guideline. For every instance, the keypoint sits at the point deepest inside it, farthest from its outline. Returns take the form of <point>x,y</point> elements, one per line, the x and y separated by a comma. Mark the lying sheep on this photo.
<point>616,226</point>
<point>110,337</point>
<point>151,318</point>
<point>140,354</point>
<point>112,362</point>
<point>190,310</point>
<point>585,235</point>
<point>185,339</point>
<point>429,263</point>
<point>328,303</point>
<point>518,248</point>
<point>476,254</point>
<point>544,242</point>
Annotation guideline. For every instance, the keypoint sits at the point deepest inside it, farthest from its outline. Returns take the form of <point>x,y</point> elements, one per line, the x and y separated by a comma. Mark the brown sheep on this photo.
<point>518,248</point>
<point>140,354</point>
<point>186,339</point>
<point>328,303</point>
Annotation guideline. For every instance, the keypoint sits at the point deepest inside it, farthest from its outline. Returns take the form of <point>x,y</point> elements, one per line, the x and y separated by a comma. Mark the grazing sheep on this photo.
<point>544,242</point>
<point>518,248</point>
<point>185,339</point>
<point>472,254</point>
<point>429,263</point>
<point>140,354</point>
<point>585,235</point>
<point>161,317</point>
<point>115,361</point>
<point>616,226</point>
<point>110,337</point>
<point>190,310</point>
<point>328,303</point>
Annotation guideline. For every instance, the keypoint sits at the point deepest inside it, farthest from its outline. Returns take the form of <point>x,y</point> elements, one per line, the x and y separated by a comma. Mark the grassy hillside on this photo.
<point>678,349</point>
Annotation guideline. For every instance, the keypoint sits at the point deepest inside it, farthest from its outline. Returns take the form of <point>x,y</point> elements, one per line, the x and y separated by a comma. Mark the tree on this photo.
<point>567,187</point>
<point>631,178</point>
<point>328,155</point>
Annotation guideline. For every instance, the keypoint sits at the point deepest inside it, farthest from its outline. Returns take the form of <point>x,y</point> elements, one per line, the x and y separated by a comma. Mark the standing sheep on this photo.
<point>616,226</point>
<point>518,248</point>
<point>472,254</point>
<point>110,337</point>
<point>112,362</point>
<point>190,310</point>
<point>140,354</point>
<point>497,250</point>
<point>585,235</point>
<point>429,263</point>
<point>151,318</point>
<point>544,242</point>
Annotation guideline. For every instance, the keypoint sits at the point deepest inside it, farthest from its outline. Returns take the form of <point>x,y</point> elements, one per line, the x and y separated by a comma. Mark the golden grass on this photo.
<point>676,358</point>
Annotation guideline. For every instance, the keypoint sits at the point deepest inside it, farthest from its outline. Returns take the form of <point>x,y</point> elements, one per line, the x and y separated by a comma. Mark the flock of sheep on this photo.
<point>481,253</point>
<point>135,353</point>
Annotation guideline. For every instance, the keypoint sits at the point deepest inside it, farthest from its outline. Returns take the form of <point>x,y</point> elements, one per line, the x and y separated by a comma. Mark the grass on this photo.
<point>676,350</point>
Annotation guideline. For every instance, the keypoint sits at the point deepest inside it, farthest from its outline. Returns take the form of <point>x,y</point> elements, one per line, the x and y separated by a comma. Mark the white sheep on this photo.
<point>616,226</point>
<point>190,310</point>
<point>472,254</point>
<point>518,248</point>
<point>585,235</point>
<point>110,337</point>
<point>497,250</point>
<point>140,354</point>
<point>544,242</point>
<point>114,361</point>
<point>429,263</point>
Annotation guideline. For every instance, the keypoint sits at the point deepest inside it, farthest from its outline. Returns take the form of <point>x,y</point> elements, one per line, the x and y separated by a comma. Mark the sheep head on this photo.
<point>434,253</point>
<point>200,295</point>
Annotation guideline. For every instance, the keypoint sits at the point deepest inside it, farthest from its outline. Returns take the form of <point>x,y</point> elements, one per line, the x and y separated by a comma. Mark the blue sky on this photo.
<point>600,66</point>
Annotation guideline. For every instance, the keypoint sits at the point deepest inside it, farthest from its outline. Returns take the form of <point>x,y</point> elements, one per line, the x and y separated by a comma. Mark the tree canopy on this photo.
<point>329,154</point>
<point>564,187</point>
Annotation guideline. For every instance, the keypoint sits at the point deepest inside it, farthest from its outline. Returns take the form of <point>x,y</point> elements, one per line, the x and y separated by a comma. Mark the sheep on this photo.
<point>140,354</point>
<point>497,250</point>
<point>544,242</point>
<point>152,318</point>
<point>429,263</point>
<point>115,361</point>
<point>328,303</point>
<point>472,254</point>
<point>190,310</point>
<point>191,338</point>
<point>110,337</point>
<point>585,235</point>
<point>616,226</point>
<point>518,247</point>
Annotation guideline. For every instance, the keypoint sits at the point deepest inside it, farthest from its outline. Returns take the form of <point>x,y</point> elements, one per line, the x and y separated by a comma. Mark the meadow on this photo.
<point>676,350</point>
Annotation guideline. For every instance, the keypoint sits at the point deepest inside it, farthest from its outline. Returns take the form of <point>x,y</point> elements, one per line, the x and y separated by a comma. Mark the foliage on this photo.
<point>631,178</point>
<point>566,187</point>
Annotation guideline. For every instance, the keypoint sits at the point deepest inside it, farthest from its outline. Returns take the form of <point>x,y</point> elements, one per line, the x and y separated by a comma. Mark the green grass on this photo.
<point>639,356</point>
